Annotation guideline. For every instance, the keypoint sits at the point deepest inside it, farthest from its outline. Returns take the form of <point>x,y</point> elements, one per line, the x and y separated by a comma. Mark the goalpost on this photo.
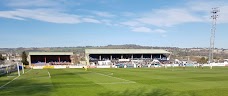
<point>12,69</point>
<point>18,70</point>
<point>22,68</point>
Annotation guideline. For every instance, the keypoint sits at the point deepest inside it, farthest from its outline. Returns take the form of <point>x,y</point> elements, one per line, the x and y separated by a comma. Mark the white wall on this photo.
<point>103,67</point>
<point>74,66</point>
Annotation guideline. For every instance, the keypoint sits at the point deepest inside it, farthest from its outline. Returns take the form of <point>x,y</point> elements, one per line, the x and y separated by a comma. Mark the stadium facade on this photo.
<point>95,55</point>
<point>39,58</point>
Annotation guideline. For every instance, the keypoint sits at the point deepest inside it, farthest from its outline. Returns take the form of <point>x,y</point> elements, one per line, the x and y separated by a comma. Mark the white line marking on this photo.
<point>115,77</point>
<point>49,74</point>
<point>9,82</point>
<point>28,70</point>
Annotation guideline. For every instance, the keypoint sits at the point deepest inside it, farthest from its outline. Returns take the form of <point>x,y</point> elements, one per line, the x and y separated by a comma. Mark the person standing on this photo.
<point>85,67</point>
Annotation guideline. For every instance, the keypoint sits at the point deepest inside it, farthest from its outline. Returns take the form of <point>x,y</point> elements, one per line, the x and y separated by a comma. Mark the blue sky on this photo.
<point>70,23</point>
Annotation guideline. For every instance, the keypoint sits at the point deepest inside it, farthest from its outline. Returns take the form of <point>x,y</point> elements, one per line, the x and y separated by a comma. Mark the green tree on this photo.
<point>202,60</point>
<point>24,58</point>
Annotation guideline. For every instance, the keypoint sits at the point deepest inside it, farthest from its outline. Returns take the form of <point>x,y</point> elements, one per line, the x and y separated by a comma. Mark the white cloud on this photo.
<point>159,31</point>
<point>57,4</point>
<point>107,22</point>
<point>168,17</point>
<point>162,18</point>
<point>206,7</point>
<point>191,12</point>
<point>90,20</point>
<point>53,16</point>
<point>141,29</point>
<point>147,30</point>
<point>128,14</point>
<point>131,23</point>
<point>49,11</point>
<point>222,18</point>
<point>42,15</point>
<point>33,3</point>
<point>200,6</point>
<point>103,14</point>
<point>10,14</point>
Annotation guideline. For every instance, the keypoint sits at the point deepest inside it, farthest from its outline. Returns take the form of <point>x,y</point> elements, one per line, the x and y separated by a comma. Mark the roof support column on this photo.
<point>121,56</point>
<point>72,59</point>
<point>59,58</point>
<point>45,59</point>
<point>160,56</point>
<point>110,57</point>
<point>99,57</point>
<point>87,59</point>
<point>142,56</point>
<point>29,60</point>
<point>169,56</point>
<point>132,56</point>
<point>151,56</point>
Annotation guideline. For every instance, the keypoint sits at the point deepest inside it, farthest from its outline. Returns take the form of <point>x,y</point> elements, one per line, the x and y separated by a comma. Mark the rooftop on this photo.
<point>50,53</point>
<point>126,51</point>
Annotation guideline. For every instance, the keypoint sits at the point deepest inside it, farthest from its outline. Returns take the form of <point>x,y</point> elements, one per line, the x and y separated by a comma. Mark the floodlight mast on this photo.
<point>214,17</point>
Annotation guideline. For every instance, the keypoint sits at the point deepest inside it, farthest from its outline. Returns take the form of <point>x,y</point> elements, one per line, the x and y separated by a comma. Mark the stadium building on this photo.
<point>95,55</point>
<point>49,58</point>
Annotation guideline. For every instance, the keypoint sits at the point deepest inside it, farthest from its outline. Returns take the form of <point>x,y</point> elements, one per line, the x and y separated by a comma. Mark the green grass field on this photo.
<point>119,82</point>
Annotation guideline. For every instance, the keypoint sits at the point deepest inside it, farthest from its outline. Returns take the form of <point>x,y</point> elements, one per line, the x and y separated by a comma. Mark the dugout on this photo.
<point>49,58</point>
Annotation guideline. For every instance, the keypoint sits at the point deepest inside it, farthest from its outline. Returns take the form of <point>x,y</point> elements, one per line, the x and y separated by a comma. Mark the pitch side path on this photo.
<point>118,82</point>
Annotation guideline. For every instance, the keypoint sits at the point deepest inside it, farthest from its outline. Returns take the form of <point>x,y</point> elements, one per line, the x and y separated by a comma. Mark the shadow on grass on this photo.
<point>144,92</point>
<point>25,87</point>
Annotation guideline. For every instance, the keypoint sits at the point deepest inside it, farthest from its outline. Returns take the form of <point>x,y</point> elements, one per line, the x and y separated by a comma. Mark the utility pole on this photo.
<point>214,17</point>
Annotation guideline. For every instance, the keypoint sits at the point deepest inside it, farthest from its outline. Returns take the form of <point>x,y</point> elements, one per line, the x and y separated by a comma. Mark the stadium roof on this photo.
<point>125,51</point>
<point>50,53</point>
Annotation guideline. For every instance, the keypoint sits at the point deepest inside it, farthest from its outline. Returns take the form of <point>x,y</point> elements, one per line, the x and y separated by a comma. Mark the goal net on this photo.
<point>11,69</point>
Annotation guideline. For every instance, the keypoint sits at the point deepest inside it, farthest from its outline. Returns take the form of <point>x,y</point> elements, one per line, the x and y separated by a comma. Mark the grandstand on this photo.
<point>49,58</point>
<point>95,55</point>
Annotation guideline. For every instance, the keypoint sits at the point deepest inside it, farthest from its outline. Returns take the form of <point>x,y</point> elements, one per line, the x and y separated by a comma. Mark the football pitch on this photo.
<point>118,82</point>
